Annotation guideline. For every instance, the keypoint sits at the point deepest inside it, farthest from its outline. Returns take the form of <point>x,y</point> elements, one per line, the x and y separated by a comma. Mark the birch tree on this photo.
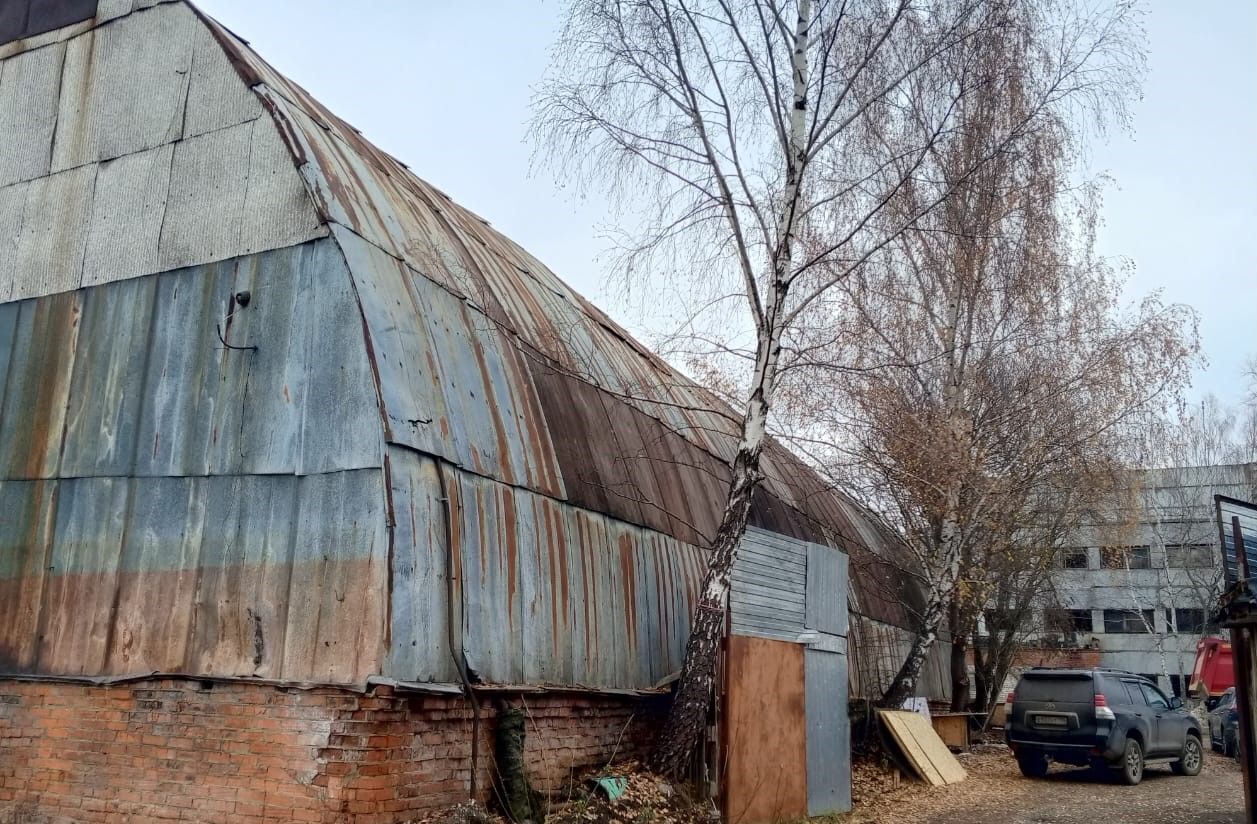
<point>749,136</point>
<point>988,355</point>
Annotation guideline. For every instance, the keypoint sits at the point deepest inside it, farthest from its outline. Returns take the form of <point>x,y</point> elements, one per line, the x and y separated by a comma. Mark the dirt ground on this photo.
<point>996,793</point>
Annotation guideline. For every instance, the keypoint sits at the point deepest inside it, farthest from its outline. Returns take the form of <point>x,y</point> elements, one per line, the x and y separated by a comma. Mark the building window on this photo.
<point>1126,557</point>
<point>1000,620</point>
<point>1073,558</point>
<point>1068,620</point>
<point>1189,621</point>
<point>1189,556</point>
<point>1127,621</point>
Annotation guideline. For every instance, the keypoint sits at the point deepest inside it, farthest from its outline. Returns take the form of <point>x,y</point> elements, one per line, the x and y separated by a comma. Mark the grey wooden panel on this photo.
<point>826,590</point>
<point>769,579</point>
<point>206,200</point>
<point>12,207</point>
<point>217,97</point>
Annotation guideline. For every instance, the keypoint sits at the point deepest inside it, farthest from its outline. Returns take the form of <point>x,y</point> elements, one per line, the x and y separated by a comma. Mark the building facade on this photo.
<point>1140,587</point>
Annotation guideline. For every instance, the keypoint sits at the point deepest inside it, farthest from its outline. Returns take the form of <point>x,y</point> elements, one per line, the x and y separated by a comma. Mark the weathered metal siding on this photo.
<point>130,378</point>
<point>269,576</point>
<point>127,153</point>
<point>827,586</point>
<point>555,594</point>
<point>1228,508</point>
<point>172,505</point>
<point>828,732</point>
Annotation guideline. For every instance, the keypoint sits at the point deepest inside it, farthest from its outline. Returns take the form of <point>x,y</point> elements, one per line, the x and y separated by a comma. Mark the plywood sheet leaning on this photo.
<point>924,751</point>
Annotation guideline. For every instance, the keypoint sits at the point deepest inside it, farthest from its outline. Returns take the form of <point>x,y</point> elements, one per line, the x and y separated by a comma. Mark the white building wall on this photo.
<point>1174,507</point>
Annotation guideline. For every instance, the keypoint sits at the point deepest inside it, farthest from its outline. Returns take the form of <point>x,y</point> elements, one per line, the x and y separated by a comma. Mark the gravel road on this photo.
<point>996,793</point>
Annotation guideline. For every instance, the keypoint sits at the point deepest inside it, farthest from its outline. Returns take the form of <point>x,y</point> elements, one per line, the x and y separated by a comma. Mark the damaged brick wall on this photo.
<point>210,752</point>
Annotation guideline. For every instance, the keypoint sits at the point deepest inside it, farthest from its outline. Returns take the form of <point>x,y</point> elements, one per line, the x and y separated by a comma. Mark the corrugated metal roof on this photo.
<point>428,408</point>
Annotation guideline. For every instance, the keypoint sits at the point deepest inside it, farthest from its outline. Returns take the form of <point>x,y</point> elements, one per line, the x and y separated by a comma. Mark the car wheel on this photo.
<point>1132,766</point>
<point>1192,758</point>
<point>1033,765</point>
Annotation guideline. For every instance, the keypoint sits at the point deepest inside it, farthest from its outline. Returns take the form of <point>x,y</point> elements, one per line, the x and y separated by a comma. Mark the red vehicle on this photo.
<point>1214,671</point>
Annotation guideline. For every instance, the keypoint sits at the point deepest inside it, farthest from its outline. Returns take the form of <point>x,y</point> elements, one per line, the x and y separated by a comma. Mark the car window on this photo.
<point>1135,694</point>
<point>1155,699</point>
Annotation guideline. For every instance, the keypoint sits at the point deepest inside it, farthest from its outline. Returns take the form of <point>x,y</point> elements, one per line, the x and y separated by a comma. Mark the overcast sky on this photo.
<point>445,87</point>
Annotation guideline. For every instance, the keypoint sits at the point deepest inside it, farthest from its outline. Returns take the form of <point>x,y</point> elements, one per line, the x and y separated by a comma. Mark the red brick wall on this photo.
<point>197,751</point>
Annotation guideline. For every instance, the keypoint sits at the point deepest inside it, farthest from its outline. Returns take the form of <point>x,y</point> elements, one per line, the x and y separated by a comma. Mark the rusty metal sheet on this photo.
<point>419,631</point>
<point>164,397</point>
<point>40,366</point>
<point>337,620</point>
<point>77,605</point>
<point>104,402</point>
<point>119,97</point>
<point>28,112</point>
<point>555,594</point>
<point>247,533</point>
<point>452,384</point>
<point>267,576</point>
<point>25,545</point>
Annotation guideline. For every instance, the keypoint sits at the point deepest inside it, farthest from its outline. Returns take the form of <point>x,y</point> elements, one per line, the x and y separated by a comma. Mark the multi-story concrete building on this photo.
<point>1140,586</point>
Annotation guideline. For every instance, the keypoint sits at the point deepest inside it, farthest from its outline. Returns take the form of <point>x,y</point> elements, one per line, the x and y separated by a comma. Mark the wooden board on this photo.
<point>765,775</point>
<point>924,751</point>
<point>953,728</point>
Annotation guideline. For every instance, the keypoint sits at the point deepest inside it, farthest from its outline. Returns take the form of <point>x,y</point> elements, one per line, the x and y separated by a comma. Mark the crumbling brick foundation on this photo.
<point>189,750</point>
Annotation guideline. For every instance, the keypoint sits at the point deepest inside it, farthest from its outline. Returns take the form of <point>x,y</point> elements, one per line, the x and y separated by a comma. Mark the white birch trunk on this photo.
<point>686,720</point>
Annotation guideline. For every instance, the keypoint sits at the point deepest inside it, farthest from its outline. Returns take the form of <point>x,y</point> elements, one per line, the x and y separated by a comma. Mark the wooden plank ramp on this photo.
<point>921,747</point>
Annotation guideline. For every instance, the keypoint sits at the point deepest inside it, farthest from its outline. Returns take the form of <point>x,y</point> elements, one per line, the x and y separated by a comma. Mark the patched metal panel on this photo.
<point>205,206</point>
<point>28,112</point>
<point>127,214</point>
<point>452,384</point>
<point>769,583</point>
<point>338,599</point>
<point>826,590</point>
<point>25,548</point>
<point>419,648</point>
<point>49,255</point>
<point>217,98</point>
<point>828,732</point>
<point>124,87</point>
<point>105,399</point>
<point>40,367</point>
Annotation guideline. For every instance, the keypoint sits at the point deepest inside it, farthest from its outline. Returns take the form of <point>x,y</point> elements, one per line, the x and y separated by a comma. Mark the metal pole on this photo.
<point>1245,683</point>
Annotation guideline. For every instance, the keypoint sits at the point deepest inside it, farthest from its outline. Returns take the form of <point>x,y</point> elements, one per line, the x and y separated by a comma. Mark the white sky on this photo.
<point>445,87</point>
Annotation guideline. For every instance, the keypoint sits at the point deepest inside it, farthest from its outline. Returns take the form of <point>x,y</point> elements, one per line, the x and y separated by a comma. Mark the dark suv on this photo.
<point>1099,717</point>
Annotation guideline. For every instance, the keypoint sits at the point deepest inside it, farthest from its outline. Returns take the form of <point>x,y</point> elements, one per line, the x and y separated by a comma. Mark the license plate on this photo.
<point>1050,721</point>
